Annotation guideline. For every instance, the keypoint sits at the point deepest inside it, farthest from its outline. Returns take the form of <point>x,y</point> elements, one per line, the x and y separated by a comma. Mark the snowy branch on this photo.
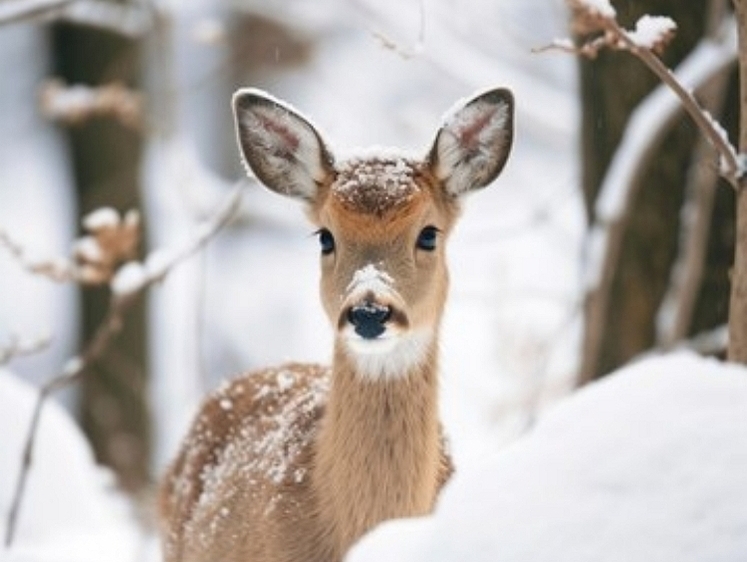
<point>620,185</point>
<point>650,36</point>
<point>674,317</point>
<point>647,123</point>
<point>131,19</point>
<point>130,280</point>
<point>17,346</point>
<point>402,51</point>
<point>109,241</point>
<point>77,103</point>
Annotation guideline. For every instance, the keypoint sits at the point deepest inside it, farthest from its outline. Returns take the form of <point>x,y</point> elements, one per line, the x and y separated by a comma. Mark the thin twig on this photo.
<point>17,347</point>
<point>616,37</point>
<point>111,325</point>
<point>700,116</point>
<point>675,313</point>
<point>622,180</point>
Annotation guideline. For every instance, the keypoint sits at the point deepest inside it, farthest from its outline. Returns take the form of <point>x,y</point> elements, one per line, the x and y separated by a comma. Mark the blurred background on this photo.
<point>125,104</point>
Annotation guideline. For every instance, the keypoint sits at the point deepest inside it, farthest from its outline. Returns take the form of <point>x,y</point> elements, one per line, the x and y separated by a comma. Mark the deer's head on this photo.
<point>382,219</point>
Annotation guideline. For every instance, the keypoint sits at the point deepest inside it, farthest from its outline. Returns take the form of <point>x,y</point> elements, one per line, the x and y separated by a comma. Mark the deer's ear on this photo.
<point>283,150</point>
<point>473,144</point>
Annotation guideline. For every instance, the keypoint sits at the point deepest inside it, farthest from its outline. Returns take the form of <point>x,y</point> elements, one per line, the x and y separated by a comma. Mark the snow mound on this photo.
<point>71,511</point>
<point>647,464</point>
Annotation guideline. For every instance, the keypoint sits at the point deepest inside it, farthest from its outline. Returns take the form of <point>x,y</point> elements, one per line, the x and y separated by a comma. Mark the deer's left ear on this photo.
<point>473,144</point>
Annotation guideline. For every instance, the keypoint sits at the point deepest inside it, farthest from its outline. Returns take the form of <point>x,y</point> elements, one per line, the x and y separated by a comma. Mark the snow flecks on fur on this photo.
<point>376,184</point>
<point>370,279</point>
<point>251,438</point>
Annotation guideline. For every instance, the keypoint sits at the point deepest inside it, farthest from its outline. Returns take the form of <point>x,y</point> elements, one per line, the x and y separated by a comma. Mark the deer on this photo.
<point>296,462</point>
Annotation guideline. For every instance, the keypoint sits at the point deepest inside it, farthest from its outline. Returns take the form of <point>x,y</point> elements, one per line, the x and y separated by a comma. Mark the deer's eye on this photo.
<point>326,241</point>
<point>427,238</point>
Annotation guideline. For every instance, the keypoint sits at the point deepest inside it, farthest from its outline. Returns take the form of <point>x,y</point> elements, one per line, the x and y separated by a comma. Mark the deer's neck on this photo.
<point>378,451</point>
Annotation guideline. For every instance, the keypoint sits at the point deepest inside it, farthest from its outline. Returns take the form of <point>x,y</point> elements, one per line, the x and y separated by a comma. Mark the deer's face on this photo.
<point>382,221</point>
<point>382,232</point>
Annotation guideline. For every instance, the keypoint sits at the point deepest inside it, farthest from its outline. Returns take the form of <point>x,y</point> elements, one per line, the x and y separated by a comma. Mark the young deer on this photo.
<point>295,463</point>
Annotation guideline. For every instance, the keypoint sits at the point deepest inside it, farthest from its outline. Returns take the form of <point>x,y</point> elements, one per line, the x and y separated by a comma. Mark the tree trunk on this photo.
<point>105,159</point>
<point>642,273</point>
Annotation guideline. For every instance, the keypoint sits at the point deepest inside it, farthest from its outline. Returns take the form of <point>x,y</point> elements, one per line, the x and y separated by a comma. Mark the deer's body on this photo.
<point>295,463</point>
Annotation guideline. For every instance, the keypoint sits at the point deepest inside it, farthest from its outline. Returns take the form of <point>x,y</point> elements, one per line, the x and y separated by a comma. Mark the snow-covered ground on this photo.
<point>647,464</point>
<point>72,511</point>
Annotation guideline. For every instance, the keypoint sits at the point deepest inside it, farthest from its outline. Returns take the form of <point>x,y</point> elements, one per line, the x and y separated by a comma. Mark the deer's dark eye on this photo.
<point>427,238</point>
<point>326,241</point>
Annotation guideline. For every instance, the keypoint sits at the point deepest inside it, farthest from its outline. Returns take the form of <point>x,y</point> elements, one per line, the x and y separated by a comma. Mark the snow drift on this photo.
<point>648,464</point>
<point>71,511</point>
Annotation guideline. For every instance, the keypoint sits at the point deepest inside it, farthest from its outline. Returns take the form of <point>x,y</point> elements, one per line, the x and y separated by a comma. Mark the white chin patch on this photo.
<point>391,356</point>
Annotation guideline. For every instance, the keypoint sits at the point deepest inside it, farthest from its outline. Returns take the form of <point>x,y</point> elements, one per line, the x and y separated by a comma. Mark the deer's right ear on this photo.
<point>283,150</point>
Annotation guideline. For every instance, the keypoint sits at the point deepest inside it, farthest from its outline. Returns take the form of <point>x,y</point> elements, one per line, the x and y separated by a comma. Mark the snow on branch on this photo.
<point>127,283</point>
<point>74,104</point>
<point>17,346</point>
<point>109,241</point>
<point>131,19</point>
<point>651,35</point>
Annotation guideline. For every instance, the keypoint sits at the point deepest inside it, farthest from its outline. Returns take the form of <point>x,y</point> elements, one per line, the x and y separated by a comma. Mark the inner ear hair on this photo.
<point>472,146</point>
<point>280,146</point>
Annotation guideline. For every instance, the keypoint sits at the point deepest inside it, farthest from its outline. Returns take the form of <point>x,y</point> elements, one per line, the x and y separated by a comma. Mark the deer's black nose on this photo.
<point>369,319</point>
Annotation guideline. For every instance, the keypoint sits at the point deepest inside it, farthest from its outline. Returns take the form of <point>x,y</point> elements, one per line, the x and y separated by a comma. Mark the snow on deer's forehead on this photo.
<point>376,184</point>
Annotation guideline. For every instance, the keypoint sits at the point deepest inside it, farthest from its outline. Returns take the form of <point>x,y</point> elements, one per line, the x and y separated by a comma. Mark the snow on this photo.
<point>375,185</point>
<point>130,278</point>
<point>648,464</point>
<point>102,218</point>
<point>601,7</point>
<point>71,511</point>
<point>88,249</point>
<point>650,31</point>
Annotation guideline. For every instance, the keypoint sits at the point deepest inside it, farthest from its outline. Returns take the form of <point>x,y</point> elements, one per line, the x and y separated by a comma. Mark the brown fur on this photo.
<point>329,493</point>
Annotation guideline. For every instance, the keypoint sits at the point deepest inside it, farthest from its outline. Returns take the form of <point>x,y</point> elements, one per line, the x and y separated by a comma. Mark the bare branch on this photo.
<point>125,290</point>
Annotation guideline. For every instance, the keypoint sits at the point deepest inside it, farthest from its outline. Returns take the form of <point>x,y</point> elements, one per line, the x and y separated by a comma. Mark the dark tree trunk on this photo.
<point>105,156</point>
<point>611,87</point>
